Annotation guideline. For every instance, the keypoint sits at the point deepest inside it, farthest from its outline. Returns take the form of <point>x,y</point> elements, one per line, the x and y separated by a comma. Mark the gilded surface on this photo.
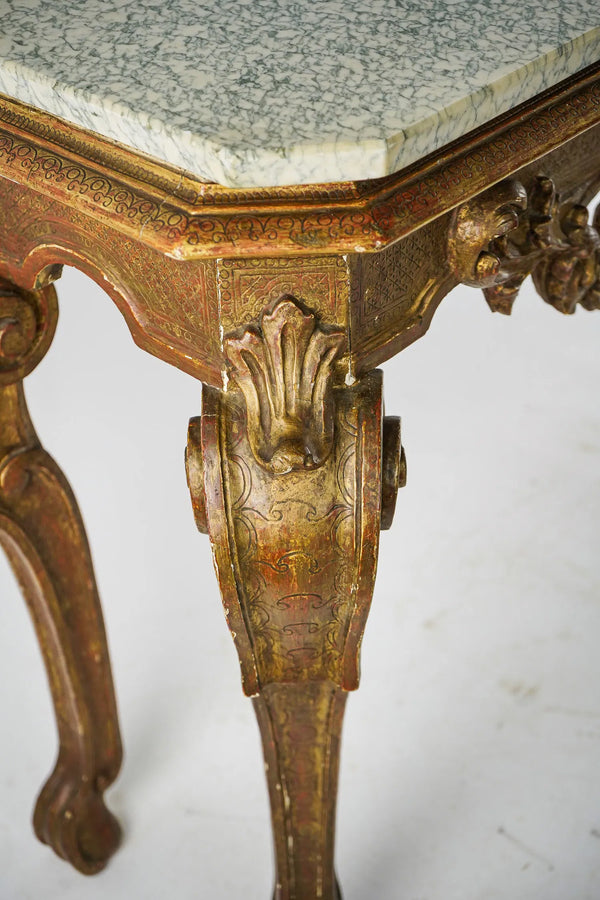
<point>284,368</point>
<point>171,306</point>
<point>126,221</point>
<point>247,285</point>
<point>295,550</point>
<point>289,483</point>
<point>506,234</point>
<point>297,557</point>
<point>395,294</point>
<point>302,721</point>
<point>42,534</point>
<point>182,216</point>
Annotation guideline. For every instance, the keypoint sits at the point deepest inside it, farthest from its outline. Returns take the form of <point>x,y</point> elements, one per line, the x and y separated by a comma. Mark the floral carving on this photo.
<point>573,276</point>
<point>284,369</point>
<point>502,236</point>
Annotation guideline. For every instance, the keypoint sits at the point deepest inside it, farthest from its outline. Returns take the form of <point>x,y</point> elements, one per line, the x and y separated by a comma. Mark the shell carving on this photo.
<point>283,367</point>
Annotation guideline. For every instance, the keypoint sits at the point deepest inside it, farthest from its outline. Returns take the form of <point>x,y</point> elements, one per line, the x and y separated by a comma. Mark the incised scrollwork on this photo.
<point>293,473</point>
<point>503,235</point>
<point>186,218</point>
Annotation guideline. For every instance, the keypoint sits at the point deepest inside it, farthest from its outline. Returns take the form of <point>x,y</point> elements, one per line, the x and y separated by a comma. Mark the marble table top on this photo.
<point>272,92</point>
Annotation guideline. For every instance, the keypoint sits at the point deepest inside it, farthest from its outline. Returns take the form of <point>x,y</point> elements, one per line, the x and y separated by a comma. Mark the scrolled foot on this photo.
<point>72,818</point>
<point>43,535</point>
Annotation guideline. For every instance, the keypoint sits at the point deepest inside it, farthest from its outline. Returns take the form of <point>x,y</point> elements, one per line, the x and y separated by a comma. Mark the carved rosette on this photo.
<point>502,236</point>
<point>283,367</point>
<point>572,277</point>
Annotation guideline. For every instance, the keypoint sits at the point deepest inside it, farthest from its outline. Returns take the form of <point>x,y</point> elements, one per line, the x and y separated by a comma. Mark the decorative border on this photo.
<point>247,285</point>
<point>187,218</point>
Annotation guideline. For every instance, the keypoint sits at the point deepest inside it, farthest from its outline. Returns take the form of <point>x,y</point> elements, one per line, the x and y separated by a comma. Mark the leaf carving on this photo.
<point>283,367</point>
<point>503,235</point>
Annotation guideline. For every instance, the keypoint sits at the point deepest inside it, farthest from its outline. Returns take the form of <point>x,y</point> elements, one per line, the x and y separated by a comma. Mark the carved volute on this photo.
<point>502,236</point>
<point>27,325</point>
<point>293,473</point>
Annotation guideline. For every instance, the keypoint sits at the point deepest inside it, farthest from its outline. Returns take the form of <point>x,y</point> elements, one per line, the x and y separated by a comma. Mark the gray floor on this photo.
<point>471,764</point>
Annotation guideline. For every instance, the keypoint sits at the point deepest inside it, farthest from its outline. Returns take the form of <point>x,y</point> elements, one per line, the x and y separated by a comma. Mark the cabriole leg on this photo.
<point>285,470</point>
<point>43,535</point>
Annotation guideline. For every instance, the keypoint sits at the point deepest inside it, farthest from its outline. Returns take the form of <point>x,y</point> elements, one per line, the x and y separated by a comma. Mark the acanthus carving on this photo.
<point>283,367</point>
<point>502,236</point>
<point>567,278</point>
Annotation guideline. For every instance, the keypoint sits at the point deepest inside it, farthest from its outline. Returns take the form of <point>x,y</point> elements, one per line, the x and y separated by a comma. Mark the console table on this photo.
<point>277,197</point>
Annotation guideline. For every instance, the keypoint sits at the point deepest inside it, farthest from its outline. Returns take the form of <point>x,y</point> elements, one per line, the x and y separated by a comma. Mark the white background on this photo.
<point>471,764</point>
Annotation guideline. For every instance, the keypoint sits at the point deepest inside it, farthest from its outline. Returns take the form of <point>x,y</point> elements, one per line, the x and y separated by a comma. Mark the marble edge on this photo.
<point>493,91</point>
<point>329,161</point>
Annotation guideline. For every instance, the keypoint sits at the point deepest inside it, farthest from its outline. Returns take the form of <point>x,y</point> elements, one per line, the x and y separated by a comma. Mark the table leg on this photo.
<point>301,725</point>
<point>43,535</point>
<point>285,471</point>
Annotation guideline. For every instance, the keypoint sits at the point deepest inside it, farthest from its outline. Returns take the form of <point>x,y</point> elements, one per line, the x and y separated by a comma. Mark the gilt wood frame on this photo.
<point>76,197</point>
<point>281,301</point>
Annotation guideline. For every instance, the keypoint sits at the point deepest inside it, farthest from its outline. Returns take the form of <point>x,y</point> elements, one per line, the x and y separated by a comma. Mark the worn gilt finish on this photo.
<point>292,496</point>
<point>284,369</point>
<point>187,218</point>
<point>282,301</point>
<point>43,536</point>
<point>503,236</point>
